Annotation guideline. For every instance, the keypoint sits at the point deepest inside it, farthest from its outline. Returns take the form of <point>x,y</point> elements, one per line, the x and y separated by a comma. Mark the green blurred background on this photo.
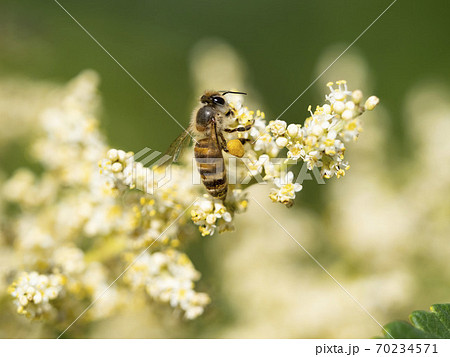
<point>280,43</point>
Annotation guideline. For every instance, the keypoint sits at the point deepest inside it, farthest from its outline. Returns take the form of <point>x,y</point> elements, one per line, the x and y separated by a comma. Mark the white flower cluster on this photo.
<point>117,167</point>
<point>72,205</point>
<point>71,141</point>
<point>209,215</point>
<point>320,141</point>
<point>33,293</point>
<point>168,276</point>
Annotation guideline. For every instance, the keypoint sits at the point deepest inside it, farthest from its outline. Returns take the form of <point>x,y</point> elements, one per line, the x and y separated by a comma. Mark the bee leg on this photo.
<point>240,128</point>
<point>223,142</point>
<point>244,140</point>
<point>230,112</point>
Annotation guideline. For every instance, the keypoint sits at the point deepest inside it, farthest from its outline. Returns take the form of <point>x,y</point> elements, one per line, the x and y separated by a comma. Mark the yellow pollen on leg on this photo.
<point>235,148</point>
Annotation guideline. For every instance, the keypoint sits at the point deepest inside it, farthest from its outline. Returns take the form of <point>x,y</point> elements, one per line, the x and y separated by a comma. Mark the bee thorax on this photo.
<point>204,117</point>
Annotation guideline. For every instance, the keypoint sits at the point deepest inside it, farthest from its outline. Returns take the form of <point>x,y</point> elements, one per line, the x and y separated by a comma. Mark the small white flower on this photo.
<point>296,151</point>
<point>209,215</point>
<point>287,189</point>
<point>277,127</point>
<point>227,217</point>
<point>255,166</point>
<point>263,142</point>
<point>211,219</point>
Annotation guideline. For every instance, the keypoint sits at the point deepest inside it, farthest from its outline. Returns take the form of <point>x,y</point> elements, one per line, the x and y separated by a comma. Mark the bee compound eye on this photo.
<point>218,100</point>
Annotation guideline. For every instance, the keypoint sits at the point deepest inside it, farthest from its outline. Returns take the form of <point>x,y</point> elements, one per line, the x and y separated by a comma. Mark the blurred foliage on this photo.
<point>425,324</point>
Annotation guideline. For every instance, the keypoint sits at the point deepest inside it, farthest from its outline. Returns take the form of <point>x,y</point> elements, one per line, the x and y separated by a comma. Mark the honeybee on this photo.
<point>208,124</point>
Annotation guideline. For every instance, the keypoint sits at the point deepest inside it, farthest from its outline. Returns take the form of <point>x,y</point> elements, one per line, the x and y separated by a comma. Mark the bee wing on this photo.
<point>175,149</point>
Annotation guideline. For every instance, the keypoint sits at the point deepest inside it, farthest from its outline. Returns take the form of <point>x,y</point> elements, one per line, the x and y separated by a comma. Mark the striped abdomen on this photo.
<point>211,166</point>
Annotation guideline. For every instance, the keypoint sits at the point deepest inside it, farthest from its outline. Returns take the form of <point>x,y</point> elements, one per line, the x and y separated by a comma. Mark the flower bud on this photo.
<point>116,167</point>
<point>338,107</point>
<point>292,130</point>
<point>357,96</point>
<point>371,102</point>
<point>112,155</point>
<point>347,114</point>
<point>281,142</point>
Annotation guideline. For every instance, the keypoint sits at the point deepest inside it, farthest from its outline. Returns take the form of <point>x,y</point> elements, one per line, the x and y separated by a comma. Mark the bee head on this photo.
<point>213,98</point>
<point>216,98</point>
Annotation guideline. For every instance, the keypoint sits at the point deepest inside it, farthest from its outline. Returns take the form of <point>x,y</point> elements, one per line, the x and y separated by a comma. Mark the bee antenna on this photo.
<point>231,92</point>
